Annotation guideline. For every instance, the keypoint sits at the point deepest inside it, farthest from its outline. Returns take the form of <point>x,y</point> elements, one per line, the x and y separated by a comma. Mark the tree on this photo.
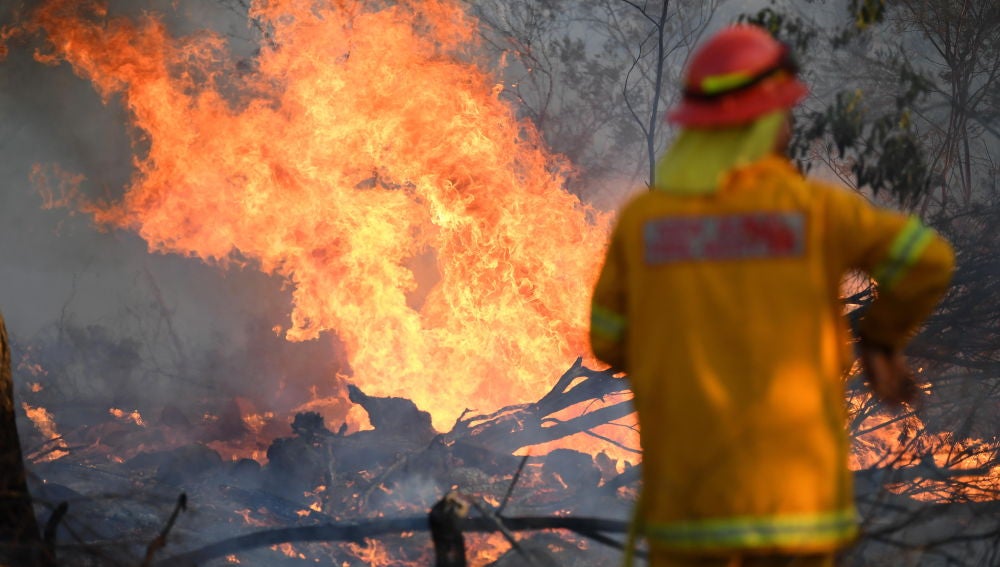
<point>20,540</point>
<point>593,77</point>
<point>964,70</point>
<point>650,62</point>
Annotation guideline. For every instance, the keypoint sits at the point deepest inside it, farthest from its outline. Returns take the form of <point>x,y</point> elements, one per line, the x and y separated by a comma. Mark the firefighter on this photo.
<point>720,298</point>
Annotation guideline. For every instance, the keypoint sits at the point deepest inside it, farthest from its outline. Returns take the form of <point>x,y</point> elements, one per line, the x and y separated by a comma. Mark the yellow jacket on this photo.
<point>724,310</point>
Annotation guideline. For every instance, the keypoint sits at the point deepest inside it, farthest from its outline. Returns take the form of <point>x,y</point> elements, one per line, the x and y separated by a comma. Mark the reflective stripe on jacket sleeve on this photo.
<point>909,244</point>
<point>804,531</point>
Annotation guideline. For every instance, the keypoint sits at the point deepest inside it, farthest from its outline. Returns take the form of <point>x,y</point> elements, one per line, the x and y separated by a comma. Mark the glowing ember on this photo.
<point>373,552</point>
<point>484,549</point>
<point>364,161</point>
<point>28,365</point>
<point>132,416</point>
<point>288,550</point>
<point>248,518</point>
<point>255,422</point>
<point>46,425</point>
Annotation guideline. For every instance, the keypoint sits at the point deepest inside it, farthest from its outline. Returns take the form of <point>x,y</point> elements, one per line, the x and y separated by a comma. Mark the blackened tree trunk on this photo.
<point>19,536</point>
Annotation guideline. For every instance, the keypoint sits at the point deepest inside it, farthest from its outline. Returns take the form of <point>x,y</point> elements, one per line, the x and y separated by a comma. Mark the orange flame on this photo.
<point>134,416</point>
<point>959,469</point>
<point>365,161</point>
<point>288,550</point>
<point>486,548</point>
<point>373,552</point>
<point>46,425</point>
<point>255,422</point>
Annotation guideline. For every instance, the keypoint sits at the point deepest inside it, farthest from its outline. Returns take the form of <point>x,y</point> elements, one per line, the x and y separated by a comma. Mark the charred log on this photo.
<point>300,463</point>
<point>572,468</point>
<point>395,416</point>
<point>310,427</point>
<point>514,427</point>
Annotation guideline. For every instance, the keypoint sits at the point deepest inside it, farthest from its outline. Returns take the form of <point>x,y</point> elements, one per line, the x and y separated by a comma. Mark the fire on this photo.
<point>288,550</point>
<point>46,425</point>
<point>904,443</point>
<point>484,549</point>
<point>255,422</point>
<point>134,416</point>
<point>249,519</point>
<point>361,157</point>
<point>373,552</point>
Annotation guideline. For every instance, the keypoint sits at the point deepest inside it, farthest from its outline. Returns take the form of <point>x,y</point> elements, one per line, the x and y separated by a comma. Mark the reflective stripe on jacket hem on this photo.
<point>909,244</point>
<point>790,531</point>
<point>606,322</point>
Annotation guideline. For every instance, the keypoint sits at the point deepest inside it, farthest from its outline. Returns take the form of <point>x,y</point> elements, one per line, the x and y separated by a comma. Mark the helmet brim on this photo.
<point>739,107</point>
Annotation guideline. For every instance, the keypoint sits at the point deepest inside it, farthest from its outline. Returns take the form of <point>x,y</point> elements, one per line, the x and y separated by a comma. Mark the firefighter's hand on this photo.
<point>888,374</point>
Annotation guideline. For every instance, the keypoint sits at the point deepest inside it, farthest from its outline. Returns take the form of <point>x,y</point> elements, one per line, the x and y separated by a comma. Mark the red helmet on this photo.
<point>739,75</point>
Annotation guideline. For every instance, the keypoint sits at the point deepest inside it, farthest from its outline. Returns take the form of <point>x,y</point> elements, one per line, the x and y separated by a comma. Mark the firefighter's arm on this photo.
<point>912,267</point>
<point>608,323</point>
<point>912,277</point>
<point>909,262</point>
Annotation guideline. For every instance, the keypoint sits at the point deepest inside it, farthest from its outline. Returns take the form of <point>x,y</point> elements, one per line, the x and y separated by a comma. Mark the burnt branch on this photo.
<point>49,536</point>
<point>514,427</point>
<point>357,532</point>
<point>513,483</point>
<point>161,540</point>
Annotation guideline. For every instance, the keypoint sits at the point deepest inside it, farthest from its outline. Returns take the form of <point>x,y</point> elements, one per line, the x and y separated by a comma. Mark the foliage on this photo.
<point>795,32</point>
<point>882,147</point>
<point>876,141</point>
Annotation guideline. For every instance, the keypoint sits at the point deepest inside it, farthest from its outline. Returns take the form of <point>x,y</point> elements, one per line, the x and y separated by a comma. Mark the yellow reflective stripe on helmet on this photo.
<point>776,531</point>
<point>606,322</point>
<point>909,244</point>
<point>721,83</point>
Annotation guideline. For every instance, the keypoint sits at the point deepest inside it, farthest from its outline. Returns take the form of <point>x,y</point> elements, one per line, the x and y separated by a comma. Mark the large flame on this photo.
<point>363,159</point>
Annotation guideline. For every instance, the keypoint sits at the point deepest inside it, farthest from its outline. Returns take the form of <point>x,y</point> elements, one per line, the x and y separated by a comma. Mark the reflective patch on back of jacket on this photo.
<point>724,237</point>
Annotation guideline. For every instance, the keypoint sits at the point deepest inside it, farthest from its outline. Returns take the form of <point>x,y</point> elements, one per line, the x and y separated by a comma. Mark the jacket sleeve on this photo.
<point>608,308</point>
<point>910,263</point>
